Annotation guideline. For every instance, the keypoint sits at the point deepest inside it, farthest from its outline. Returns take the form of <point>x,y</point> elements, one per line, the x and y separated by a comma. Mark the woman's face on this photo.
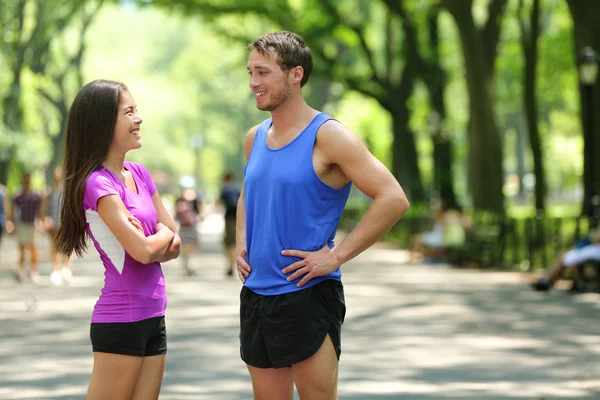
<point>127,127</point>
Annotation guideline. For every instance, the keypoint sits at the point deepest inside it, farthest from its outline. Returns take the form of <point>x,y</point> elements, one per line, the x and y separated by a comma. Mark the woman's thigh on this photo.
<point>114,376</point>
<point>149,381</point>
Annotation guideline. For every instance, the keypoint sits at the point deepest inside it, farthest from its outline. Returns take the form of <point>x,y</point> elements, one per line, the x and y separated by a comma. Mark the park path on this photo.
<point>418,332</point>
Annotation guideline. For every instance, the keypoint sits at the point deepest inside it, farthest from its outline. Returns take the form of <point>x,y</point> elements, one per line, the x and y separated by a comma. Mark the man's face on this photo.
<point>270,84</point>
<point>26,181</point>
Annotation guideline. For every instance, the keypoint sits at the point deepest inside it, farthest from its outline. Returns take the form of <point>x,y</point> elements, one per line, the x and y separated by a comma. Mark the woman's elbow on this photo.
<point>175,250</point>
<point>143,257</point>
<point>401,204</point>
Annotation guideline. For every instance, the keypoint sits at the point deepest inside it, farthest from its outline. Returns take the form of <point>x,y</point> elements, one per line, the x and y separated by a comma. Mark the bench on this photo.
<point>484,245</point>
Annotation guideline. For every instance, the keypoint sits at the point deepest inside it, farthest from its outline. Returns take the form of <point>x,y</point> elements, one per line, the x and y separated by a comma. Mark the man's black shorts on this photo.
<point>282,330</point>
<point>143,338</point>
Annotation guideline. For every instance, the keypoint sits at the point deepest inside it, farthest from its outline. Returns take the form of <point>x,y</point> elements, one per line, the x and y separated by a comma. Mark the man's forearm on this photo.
<point>240,225</point>
<point>381,216</point>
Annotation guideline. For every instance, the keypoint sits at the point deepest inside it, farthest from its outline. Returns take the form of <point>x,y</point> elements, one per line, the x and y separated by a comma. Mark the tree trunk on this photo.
<point>442,138</point>
<point>529,38</point>
<point>405,165</point>
<point>586,20</point>
<point>12,119</point>
<point>485,158</point>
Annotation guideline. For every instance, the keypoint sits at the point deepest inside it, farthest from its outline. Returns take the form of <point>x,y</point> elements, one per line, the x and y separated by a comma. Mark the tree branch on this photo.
<point>491,31</point>
<point>389,43</point>
<point>359,31</point>
<point>57,104</point>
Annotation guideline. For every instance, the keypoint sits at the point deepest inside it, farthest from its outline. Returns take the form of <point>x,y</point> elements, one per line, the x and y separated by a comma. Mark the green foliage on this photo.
<point>184,62</point>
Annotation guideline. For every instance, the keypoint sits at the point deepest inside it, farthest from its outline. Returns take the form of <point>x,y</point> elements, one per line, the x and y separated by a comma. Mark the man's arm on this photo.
<point>243,268</point>
<point>341,147</point>
<point>10,214</point>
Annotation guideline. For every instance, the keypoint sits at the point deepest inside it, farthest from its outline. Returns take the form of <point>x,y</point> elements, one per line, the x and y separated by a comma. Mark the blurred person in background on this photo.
<point>115,203</point>
<point>3,207</point>
<point>187,211</point>
<point>22,218</point>
<point>51,206</point>
<point>585,250</point>
<point>228,200</point>
<point>449,230</point>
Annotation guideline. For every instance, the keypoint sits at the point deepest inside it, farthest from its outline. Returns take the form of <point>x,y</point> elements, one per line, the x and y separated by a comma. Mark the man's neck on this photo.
<point>291,114</point>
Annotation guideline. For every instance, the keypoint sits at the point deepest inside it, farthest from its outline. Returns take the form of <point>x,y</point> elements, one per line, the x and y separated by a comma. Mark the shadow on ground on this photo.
<point>412,332</point>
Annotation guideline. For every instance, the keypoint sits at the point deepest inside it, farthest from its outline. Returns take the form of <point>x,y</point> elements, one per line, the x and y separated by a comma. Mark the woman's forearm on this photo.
<point>173,250</point>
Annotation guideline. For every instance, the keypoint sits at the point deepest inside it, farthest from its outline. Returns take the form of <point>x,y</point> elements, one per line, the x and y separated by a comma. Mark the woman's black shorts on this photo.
<point>282,330</point>
<point>143,338</point>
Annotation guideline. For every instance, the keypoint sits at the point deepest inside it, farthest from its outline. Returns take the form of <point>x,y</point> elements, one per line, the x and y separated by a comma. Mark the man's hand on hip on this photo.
<point>313,264</point>
<point>243,268</point>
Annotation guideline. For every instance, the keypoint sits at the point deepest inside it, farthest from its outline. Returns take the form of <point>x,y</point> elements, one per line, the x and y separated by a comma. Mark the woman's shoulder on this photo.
<point>99,177</point>
<point>135,166</point>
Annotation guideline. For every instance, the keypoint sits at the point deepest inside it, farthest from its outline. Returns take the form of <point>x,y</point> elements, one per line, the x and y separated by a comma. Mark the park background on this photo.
<point>488,104</point>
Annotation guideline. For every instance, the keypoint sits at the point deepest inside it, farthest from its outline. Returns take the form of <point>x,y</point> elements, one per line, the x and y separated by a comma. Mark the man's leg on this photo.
<point>567,260</point>
<point>316,377</point>
<point>272,383</point>
<point>34,260</point>
<point>547,281</point>
<point>556,269</point>
<point>21,265</point>
<point>230,259</point>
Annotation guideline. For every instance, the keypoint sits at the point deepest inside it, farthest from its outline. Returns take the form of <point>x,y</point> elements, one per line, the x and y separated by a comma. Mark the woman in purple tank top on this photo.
<point>115,203</point>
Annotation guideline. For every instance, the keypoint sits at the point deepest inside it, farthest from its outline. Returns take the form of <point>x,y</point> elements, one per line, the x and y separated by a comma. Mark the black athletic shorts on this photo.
<point>143,338</point>
<point>280,331</point>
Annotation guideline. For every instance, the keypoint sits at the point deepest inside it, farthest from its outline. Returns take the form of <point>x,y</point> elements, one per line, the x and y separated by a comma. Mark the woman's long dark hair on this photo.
<point>90,129</point>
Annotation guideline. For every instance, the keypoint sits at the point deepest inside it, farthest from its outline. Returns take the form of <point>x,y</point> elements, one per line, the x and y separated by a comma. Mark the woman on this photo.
<point>51,206</point>
<point>185,214</point>
<point>116,204</point>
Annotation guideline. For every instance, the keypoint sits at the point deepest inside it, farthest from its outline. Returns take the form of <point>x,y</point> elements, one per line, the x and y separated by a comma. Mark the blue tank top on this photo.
<point>287,207</point>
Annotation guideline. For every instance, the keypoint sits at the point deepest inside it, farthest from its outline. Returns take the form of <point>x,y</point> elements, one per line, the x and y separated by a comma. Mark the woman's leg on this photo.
<point>114,376</point>
<point>149,381</point>
<point>55,276</point>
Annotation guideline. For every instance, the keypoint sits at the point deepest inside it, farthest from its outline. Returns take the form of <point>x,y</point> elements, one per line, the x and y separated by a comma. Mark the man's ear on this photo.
<point>297,74</point>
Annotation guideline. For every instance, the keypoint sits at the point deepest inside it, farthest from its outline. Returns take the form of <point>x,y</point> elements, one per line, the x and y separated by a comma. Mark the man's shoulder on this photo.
<point>333,130</point>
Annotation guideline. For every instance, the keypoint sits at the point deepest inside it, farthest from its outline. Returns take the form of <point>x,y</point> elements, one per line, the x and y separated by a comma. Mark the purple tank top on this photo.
<point>132,291</point>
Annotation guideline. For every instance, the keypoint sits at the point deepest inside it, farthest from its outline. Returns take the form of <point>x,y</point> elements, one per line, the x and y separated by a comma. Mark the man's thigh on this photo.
<point>316,377</point>
<point>584,254</point>
<point>272,383</point>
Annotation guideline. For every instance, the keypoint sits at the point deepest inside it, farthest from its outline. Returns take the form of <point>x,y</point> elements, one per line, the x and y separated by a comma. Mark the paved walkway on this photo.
<point>412,332</point>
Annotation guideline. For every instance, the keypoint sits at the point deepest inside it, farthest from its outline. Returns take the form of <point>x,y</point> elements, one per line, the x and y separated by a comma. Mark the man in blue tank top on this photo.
<point>301,164</point>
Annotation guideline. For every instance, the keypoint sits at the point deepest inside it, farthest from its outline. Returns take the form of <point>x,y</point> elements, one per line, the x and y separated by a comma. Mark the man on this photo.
<point>300,167</point>
<point>23,213</point>
<point>585,250</point>
<point>228,199</point>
